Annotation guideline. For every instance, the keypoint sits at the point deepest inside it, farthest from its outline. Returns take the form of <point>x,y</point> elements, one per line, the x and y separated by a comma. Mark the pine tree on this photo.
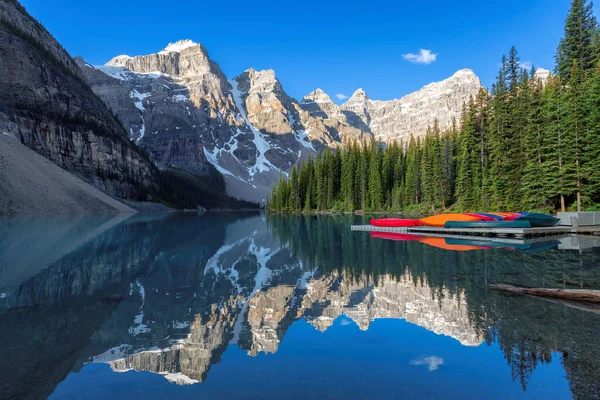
<point>468,177</point>
<point>577,44</point>
<point>295,204</point>
<point>375,192</point>
<point>553,113</point>
<point>426,176</point>
<point>411,187</point>
<point>512,70</point>
<point>347,179</point>
<point>321,180</point>
<point>591,141</point>
<point>534,195</point>
<point>574,134</point>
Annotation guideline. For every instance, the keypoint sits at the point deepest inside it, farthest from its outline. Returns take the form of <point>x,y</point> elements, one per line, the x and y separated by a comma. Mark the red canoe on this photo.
<point>395,222</point>
<point>394,236</point>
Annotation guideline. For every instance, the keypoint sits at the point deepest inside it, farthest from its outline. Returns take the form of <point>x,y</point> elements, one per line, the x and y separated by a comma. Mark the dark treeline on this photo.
<point>525,144</point>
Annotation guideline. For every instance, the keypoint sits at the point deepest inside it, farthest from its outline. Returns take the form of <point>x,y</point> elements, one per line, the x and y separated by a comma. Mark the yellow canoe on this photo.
<point>441,219</point>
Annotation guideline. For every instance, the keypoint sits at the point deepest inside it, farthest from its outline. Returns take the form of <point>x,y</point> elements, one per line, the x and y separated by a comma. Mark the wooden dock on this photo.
<point>488,233</point>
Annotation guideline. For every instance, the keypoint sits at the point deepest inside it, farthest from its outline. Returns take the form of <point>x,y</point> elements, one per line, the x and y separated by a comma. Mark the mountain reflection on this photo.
<point>169,294</point>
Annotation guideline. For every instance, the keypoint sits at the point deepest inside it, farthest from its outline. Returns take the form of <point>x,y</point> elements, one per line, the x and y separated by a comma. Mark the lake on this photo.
<point>244,305</point>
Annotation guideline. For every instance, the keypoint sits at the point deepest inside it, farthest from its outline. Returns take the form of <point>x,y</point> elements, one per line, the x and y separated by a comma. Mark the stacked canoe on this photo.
<point>474,221</point>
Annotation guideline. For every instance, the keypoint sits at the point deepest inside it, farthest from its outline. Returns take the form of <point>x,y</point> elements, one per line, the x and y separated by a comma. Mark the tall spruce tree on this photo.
<point>534,194</point>
<point>578,42</point>
<point>574,133</point>
<point>591,145</point>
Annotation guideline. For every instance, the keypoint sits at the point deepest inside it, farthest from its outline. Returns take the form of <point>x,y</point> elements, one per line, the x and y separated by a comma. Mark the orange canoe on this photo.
<point>441,219</point>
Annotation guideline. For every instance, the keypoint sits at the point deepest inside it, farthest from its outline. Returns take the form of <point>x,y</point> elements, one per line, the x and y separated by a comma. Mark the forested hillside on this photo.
<point>525,144</point>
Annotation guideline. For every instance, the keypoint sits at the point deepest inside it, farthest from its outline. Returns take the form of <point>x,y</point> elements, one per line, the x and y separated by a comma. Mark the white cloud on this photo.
<point>424,57</point>
<point>341,96</point>
<point>432,362</point>
<point>527,65</point>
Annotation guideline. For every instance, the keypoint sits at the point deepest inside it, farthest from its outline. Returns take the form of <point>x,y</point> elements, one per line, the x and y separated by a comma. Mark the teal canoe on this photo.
<point>538,220</point>
<point>488,224</point>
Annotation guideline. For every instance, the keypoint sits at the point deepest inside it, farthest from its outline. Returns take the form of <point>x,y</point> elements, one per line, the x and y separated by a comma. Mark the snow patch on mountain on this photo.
<point>301,135</point>
<point>120,73</point>
<point>262,164</point>
<point>178,46</point>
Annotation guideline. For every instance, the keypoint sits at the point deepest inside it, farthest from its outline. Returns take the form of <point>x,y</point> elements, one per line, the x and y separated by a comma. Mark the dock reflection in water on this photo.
<point>189,298</point>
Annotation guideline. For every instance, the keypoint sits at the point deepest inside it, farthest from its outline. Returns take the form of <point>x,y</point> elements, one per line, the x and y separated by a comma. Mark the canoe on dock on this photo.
<point>538,220</point>
<point>487,224</point>
<point>440,219</point>
<point>395,222</point>
<point>583,295</point>
<point>485,217</point>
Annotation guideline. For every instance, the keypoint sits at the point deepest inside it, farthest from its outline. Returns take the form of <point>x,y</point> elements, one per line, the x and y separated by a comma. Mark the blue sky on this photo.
<point>335,45</point>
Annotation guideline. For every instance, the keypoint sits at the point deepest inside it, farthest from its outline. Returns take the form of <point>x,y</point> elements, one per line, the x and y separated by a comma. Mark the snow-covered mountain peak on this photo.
<point>542,75</point>
<point>178,46</point>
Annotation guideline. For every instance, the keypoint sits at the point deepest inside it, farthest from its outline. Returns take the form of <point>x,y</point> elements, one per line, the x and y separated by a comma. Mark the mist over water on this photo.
<point>249,305</point>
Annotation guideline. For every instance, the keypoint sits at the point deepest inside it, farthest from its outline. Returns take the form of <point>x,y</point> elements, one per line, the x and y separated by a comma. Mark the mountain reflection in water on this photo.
<point>170,294</point>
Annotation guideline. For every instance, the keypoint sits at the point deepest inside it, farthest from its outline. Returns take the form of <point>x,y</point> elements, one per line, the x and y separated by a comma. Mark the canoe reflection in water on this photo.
<point>457,244</point>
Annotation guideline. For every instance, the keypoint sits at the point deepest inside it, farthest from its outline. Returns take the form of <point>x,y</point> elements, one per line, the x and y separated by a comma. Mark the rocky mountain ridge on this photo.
<point>46,104</point>
<point>180,107</point>
<point>397,120</point>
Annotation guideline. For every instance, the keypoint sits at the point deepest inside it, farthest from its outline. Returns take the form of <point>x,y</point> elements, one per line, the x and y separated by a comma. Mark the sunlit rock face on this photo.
<point>397,120</point>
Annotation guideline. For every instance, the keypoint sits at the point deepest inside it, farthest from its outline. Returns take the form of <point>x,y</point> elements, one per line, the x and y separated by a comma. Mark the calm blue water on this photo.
<point>252,306</point>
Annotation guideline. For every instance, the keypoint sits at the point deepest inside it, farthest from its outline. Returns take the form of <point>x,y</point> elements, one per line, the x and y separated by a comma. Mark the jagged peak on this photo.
<point>177,47</point>
<point>258,81</point>
<point>317,96</point>
<point>358,95</point>
<point>264,73</point>
<point>464,74</point>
